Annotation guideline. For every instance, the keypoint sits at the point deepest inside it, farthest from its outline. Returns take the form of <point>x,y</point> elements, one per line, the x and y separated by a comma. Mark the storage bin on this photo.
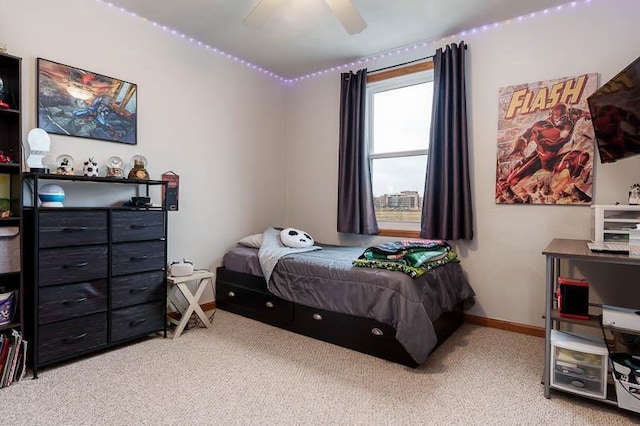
<point>579,364</point>
<point>9,249</point>
<point>7,306</point>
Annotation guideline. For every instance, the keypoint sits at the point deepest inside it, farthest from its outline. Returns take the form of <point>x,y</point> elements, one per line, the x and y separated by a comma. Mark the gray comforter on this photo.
<point>326,279</point>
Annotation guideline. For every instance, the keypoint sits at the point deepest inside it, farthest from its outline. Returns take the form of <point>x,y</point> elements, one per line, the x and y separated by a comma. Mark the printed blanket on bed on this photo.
<point>413,257</point>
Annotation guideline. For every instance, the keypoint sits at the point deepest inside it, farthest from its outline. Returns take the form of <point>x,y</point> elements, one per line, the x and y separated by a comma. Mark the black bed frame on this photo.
<point>247,295</point>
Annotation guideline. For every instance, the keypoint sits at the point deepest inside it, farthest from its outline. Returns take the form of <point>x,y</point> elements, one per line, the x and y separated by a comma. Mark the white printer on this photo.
<point>617,317</point>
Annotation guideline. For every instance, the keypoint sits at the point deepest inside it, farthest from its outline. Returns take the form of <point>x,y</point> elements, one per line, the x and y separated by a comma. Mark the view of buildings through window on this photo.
<point>398,134</point>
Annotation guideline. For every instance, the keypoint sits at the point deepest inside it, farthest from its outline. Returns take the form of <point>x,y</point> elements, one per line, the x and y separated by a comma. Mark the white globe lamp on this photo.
<point>51,196</point>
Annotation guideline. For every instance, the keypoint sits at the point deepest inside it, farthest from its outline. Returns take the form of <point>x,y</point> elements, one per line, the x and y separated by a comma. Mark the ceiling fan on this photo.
<point>343,9</point>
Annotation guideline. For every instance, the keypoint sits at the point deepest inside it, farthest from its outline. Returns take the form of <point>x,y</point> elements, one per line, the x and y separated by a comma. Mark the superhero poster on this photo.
<point>546,142</point>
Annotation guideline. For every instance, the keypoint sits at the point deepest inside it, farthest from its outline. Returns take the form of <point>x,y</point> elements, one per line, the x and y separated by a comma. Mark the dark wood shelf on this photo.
<point>10,168</point>
<point>76,178</point>
<point>9,274</point>
<point>10,326</point>
<point>593,321</point>
<point>13,220</point>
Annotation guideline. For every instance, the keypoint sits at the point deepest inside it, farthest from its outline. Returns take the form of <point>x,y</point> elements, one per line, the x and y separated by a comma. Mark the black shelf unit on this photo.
<point>96,275</point>
<point>11,276</point>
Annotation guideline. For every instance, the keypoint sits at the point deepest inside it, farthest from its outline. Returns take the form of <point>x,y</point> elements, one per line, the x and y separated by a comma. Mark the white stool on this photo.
<point>179,285</point>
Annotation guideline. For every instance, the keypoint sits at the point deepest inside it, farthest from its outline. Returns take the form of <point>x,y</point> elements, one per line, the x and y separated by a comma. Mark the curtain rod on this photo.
<point>400,65</point>
<point>406,63</point>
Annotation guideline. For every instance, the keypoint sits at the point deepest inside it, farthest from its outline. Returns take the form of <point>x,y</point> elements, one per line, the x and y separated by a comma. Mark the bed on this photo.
<point>320,294</point>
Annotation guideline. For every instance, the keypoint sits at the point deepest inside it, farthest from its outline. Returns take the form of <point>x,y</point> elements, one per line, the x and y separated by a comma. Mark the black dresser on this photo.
<point>95,277</point>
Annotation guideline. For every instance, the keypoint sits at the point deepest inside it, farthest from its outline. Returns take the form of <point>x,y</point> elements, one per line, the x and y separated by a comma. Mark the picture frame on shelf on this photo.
<point>75,102</point>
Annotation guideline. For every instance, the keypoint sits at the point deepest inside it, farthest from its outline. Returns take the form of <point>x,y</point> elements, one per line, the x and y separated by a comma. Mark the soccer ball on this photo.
<point>90,168</point>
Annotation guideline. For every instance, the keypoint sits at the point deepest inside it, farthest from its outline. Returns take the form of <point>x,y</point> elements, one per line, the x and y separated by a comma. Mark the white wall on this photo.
<point>503,262</point>
<point>224,130</point>
<point>217,124</point>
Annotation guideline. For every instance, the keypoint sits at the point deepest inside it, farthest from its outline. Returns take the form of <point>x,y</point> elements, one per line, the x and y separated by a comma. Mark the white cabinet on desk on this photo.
<point>613,222</point>
<point>576,250</point>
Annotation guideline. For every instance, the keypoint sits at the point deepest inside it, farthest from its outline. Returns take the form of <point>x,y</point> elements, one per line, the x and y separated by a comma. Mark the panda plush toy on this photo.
<point>295,238</point>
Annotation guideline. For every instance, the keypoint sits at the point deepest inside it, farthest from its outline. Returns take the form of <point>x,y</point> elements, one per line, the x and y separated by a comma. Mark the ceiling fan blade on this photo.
<point>261,12</point>
<point>348,15</point>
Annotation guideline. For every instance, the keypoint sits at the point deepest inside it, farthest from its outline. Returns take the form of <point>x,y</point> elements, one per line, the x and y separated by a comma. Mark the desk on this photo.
<point>570,250</point>
<point>178,285</point>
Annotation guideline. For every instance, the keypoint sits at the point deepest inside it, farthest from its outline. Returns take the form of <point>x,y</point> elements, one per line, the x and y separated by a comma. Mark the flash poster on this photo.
<point>546,142</point>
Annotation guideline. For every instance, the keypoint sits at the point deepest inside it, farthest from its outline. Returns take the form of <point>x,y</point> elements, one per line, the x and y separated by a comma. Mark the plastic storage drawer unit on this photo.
<point>579,364</point>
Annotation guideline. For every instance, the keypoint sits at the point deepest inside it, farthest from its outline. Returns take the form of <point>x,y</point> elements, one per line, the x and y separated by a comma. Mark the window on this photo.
<point>398,128</point>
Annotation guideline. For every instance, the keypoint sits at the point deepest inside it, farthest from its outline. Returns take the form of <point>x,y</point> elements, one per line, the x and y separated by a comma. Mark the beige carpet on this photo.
<point>244,372</point>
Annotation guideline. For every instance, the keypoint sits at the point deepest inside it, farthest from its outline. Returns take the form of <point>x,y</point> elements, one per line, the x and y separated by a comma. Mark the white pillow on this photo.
<point>295,238</point>
<point>253,241</point>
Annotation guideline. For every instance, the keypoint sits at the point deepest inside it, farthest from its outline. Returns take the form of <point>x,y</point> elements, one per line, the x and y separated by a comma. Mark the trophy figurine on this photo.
<point>3,92</point>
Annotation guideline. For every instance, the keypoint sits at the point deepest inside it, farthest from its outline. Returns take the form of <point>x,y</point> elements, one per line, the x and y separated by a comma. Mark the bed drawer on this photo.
<point>264,307</point>
<point>361,334</point>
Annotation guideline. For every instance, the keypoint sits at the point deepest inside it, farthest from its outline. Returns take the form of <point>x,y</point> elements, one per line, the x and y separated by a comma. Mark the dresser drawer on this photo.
<point>137,320</point>
<point>63,302</point>
<point>137,225</point>
<point>71,337</point>
<point>72,228</point>
<point>76,264</point>
<point>134,289</point>
<point>129,258</point>
<point>265,307</point>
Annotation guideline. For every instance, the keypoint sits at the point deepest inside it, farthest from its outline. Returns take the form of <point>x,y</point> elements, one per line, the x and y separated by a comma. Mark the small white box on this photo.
<point>578,364</point>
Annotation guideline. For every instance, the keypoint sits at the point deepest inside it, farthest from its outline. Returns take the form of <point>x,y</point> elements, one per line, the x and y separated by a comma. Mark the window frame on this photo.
<point>389,80</point>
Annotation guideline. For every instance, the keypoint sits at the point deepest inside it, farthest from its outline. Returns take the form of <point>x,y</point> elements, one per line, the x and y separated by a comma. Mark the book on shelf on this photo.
<point>22,362</point>
<point>13,350</point>
<point>3,355</point>
<point>16,346</point>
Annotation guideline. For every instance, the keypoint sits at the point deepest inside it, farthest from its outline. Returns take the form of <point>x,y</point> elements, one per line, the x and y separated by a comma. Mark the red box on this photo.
<point>573,298</point>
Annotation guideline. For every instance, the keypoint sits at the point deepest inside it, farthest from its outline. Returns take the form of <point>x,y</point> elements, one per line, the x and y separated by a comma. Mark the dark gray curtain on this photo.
<point>355,196</point>
<point>447,211</point>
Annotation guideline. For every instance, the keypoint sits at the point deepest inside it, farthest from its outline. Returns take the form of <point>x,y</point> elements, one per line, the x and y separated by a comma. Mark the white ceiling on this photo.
<point>303,36</point>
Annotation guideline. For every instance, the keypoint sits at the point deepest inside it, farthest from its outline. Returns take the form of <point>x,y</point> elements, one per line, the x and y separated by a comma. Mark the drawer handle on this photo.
<point>77,265</point>
<point>317,317</point>
<point>269,305</point>
<point>231,294</point>
<point>138,290</point>
<point>138,259</point>
<point>377,332</point>
<point>138,226</point>
<point>75,228</point>
<point>78,300</point>
<point>75,338</point>
<point>137,322</point>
